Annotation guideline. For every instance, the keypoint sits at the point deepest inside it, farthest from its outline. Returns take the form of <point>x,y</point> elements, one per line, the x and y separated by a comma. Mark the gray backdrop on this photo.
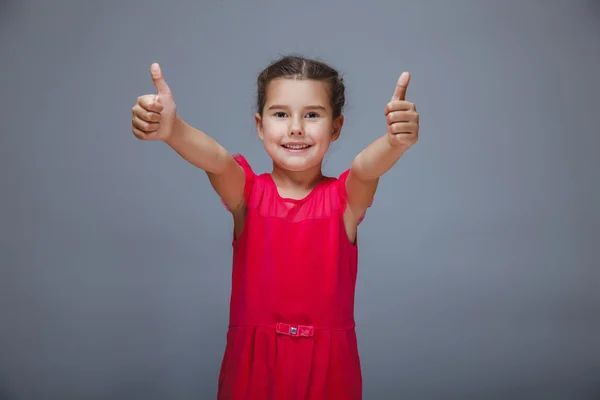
<point>479,261</point>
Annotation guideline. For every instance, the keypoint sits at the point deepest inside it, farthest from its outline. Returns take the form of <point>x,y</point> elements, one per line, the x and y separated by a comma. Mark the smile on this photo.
<point>296,146</point>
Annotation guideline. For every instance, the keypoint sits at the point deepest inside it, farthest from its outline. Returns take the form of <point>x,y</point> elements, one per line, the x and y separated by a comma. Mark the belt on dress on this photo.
<point>295,330</point>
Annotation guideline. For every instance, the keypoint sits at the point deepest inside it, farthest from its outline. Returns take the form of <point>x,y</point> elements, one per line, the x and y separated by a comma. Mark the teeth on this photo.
<point>296,146</point>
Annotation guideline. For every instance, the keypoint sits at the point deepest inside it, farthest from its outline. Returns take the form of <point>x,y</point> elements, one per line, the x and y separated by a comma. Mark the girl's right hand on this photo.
<point>154,115</point>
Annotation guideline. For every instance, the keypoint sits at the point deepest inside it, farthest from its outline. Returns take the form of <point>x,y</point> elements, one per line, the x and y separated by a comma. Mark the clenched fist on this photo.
<point>402,117</point>
<point>154,114</point>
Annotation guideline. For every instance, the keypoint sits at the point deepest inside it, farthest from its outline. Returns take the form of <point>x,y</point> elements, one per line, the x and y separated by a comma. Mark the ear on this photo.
<point>337,128</point>
<point>259,126</point>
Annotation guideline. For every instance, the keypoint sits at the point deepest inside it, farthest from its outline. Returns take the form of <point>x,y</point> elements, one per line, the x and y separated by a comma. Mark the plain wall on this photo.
<point>479,260</point>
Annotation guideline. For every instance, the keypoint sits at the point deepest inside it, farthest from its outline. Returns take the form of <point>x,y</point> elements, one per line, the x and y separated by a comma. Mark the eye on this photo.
<point>280,114</point>
<point>312,114</point>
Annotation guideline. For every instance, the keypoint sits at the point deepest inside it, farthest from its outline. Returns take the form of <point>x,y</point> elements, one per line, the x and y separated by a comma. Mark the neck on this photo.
<point>299,181</point>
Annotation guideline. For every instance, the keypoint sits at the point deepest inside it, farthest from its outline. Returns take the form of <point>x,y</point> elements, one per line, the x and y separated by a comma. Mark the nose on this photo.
<point>295,127</point>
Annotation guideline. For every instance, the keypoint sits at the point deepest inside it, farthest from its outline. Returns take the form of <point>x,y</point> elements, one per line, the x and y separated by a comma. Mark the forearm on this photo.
<point>376,159</point>
<point>198,148</point>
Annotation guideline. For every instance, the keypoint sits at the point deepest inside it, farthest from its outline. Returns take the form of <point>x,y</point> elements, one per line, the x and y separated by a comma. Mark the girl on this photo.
<point>291,333</point>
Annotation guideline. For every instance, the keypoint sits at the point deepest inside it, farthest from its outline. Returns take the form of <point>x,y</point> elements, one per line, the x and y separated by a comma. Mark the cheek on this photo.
<point>319,132</point>
<point>273,132</point>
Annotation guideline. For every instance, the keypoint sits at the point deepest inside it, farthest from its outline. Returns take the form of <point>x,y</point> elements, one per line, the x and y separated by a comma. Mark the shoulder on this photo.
<point>335,185</point>
<point>251,176</point>
<point>338,191</point>
<point>243,162</point>
<point>338,185</point>
<point>257,187</point>
<point>330,195</point>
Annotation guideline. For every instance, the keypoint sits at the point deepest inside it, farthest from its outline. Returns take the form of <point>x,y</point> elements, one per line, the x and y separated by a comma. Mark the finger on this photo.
<point>144,135</point>
<point>138,134</point>
<point>145,115</point>
<point>402,127</point>
<point>399,105</point>
<point>159,80</point>
<point>144,126</point>
<point>401,86</point>
<point>150,103</point>
<point>401,116</point>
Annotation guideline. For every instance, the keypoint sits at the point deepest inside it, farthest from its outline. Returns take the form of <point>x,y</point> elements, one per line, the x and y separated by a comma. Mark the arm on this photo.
<point>381,155</point>
<point>225,174</point>
<point>155,118</point>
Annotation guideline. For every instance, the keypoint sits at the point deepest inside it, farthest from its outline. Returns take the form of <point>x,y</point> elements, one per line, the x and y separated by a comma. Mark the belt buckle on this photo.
<point>294,330</point>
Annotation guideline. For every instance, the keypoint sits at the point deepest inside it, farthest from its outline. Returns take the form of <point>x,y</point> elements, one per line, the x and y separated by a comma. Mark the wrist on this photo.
<point>177,130</point>
<point>396,146</point>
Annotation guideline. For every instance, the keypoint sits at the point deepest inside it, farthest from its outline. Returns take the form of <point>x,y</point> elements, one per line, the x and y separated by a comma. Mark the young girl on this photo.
<point>291,333</point>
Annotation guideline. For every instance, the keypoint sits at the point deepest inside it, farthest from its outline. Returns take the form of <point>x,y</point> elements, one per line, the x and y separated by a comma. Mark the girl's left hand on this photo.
<point>402,117</point>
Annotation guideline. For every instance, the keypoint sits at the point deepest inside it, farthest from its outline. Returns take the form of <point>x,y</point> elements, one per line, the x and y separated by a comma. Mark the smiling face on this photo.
<point>297,125</point>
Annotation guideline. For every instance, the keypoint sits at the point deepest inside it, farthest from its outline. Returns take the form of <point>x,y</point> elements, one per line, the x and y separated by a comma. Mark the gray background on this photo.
<point>479,261</point>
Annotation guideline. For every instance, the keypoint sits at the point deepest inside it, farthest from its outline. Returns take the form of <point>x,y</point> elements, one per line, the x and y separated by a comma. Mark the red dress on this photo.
<point>291,331</point>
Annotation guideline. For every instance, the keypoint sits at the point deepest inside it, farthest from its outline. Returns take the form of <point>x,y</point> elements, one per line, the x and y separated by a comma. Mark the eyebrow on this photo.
<point>315,107</point>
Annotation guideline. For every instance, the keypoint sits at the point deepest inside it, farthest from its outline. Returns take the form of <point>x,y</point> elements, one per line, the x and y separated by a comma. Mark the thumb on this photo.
<point>400,92</point>
<point>159,80</point>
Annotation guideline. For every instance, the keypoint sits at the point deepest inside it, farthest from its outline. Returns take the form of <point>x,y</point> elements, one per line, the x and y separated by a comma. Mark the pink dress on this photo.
<point>291,332</point>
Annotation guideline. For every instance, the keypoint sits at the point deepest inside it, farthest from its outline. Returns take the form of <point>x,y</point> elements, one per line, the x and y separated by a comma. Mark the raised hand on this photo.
<point>401,116</point>
<point>154,114</point>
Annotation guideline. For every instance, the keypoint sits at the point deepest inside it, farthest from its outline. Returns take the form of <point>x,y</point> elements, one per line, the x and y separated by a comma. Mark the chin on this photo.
<point>294,161</point>
<point>295,165</point>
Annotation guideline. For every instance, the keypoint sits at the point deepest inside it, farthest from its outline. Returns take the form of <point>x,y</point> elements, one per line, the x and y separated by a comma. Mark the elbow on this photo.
<point>361,170</point>
<point>224,162</point>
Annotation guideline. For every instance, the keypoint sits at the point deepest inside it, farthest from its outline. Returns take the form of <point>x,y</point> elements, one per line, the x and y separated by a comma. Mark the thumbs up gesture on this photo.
<point>402,117</point>
<point>154,114</point>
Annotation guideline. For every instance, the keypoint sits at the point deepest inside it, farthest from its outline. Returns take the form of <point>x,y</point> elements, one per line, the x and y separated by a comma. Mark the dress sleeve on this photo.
<point>250,178</point>
<point>343,194</point>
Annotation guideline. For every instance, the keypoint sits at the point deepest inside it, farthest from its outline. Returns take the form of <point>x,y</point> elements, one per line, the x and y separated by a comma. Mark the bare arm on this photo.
<point>381,155</point>
<point>225,174</point>
<point>155,118</point>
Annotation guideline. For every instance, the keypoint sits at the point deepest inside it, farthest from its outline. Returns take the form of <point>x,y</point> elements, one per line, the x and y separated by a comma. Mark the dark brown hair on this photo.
<point>299,67</point>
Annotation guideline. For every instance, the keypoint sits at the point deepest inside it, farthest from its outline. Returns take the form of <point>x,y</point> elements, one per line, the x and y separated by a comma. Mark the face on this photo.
<point>297,125</point>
